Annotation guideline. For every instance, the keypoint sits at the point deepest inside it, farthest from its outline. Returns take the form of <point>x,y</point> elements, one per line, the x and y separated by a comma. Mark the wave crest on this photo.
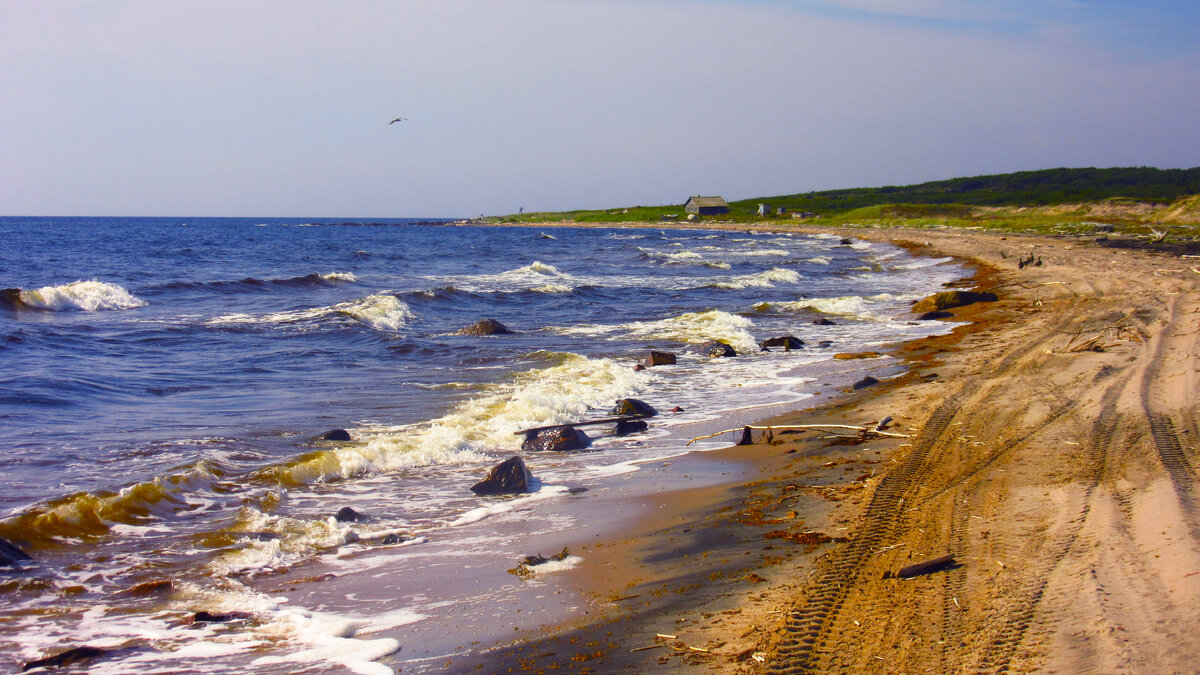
<point>85,296</point>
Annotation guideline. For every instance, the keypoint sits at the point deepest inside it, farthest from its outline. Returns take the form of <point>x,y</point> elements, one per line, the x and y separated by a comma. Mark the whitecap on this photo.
<point>86,296</point>
<point>381,312</point>
<point>764,279</point>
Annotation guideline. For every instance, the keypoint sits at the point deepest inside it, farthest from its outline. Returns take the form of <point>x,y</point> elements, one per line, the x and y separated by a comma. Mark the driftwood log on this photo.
<point>924,567</point>
<point>862,432</point>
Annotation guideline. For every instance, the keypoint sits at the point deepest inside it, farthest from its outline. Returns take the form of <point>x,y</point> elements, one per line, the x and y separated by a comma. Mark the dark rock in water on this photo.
<point>660,359</point>
<point>349,515</point>
<point>676,409</point>
<point>221,617</point>
<point>630,427</point>
<point>10,554</point>
<point>576,490</point>
<point>823,322</point>
<point>846,241</point>
<point>334,435</point>
<point>719,350</point>
<point>508,477</point>
<point>632,406</point>
<point>393,539</point>
<point>71,657</point>
<point>950,300</point>
<point>867,381</point>
<point>151,588</point>
<point>788,343</point>
<point>558,439</point>
<point>485,327</point>
<point>935,314</point>
<point>825,344</point>
<point>639,367</point>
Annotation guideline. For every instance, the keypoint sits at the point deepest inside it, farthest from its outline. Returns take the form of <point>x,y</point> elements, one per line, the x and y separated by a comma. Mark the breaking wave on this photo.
<point>380,312</point>
<point>764,279</point>
<point>83,296</point>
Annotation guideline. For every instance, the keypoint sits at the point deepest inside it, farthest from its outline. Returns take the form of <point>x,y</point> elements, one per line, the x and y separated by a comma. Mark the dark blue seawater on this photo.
<point>162,379</point>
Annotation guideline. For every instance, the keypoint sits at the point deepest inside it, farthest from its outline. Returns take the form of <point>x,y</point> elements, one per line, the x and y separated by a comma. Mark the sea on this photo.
<point>166,383</point>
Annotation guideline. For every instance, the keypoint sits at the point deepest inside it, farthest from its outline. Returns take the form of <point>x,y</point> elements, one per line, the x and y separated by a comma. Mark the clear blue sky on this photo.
<point>162,107</point>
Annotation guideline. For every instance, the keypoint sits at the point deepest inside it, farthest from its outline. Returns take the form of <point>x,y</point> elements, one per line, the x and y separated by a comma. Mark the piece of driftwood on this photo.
<point>607,420</point>
<point>924,567</point>
<point>864,432</point>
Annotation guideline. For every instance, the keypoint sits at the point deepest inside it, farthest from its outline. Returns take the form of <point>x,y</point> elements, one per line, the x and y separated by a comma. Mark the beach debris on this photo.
<point>924,567</point>
<point>883,423</point>
<point>509,477</point>
<point>349,515</point>
<point>857,355</point>
<point>867,381</point>
<point>334,435</point>
<point>824,322</point>
<point>632,407</point>
<point>1022,263</point>
<point>719,350</point>
<point>485,327</point>
<point>863,433</point>
<point>951,299</point>
<point>788,342</point>
<point>10,554</point>
<point>523,567</point>
<point>1118,330</point>
<point>562,438</point>
<point>71,657</point>
<point>660,359</point>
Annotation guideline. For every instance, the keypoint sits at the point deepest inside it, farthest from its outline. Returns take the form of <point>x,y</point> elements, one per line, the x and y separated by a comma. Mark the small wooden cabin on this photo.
<point>706,206</point>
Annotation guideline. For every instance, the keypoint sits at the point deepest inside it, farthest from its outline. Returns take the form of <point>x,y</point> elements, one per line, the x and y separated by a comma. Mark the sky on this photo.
<point>282,108</point>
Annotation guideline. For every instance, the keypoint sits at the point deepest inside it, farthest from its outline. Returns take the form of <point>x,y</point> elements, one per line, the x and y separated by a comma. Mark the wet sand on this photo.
<point>1050,449</point>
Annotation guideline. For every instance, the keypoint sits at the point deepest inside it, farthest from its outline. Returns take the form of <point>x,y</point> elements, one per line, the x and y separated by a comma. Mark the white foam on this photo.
<point>86,296</point>
<point>855,306</point>
<point>382,312</point>
<point>764,279</point>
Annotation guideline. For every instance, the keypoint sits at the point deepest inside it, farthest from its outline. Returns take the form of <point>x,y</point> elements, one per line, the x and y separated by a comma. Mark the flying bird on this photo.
<point>398,119</point>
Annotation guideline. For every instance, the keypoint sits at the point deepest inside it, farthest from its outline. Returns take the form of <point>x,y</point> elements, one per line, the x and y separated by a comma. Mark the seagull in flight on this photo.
<point>398,119</point>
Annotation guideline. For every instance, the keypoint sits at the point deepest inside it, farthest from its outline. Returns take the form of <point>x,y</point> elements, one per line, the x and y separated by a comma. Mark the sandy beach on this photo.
<point>1048,446</point>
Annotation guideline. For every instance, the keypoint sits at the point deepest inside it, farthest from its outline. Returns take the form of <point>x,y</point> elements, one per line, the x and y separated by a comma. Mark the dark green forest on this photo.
<point>1025,188</point>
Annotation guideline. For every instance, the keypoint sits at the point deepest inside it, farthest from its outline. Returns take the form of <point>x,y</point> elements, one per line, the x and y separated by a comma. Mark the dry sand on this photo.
<point>1051,450</point>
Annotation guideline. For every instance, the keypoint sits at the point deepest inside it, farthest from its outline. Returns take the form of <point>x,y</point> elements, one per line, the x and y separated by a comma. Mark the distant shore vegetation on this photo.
<point>1049,200</point>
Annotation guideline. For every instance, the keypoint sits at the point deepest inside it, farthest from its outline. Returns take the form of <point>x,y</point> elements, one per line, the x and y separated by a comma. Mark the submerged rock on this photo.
<point>823,322</point>
<point>221,617</point>
<point>485,327</point>
<point>558,439</point>
<point>719,350</point>
<point>509,477</point>
<point>10,554</point>
<point>349,515</point>
<point>660,359</point>
<point>788,342</point>
<point>633,406</point>
<point>334,435</point>
<point>630,427</point>
<point>951,299</point>
<point>71,657</point>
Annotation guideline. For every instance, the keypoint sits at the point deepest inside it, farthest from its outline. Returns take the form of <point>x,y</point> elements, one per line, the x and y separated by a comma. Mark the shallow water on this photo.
<point>163,381</point>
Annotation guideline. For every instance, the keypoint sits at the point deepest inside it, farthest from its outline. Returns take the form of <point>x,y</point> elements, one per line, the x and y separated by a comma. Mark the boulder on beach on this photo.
<point>660,359</point>
<point>485,327</point>
<point>10,554</point>
<point>508,477</point>
<point>788,342</point>
<point>633,406</point>
<point>556,439</point>
<point>334,435</point>
<point>718,350</point>
<point>867,381</point>
<point>951,299</point>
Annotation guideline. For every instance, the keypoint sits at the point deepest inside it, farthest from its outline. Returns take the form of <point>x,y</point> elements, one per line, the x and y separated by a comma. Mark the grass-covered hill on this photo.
<point>1129,193</point>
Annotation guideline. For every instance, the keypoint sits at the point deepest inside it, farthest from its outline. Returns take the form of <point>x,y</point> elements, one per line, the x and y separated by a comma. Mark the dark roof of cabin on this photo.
<point>707,201</point>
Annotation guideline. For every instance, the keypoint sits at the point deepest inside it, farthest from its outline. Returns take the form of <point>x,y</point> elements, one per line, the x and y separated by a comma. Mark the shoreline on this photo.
<point>732,573</point>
